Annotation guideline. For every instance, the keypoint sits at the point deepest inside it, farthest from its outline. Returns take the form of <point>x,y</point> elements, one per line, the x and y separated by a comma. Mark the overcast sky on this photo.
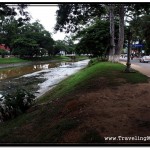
<point>47,17</point>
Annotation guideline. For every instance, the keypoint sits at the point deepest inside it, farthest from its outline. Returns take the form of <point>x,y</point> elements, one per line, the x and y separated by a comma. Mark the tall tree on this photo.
<point>140,27</point>
<point>112,32</point>
<point>13,10</point>
<point>94,39</point>
<point>70,17</point>
<point>9,31</point>
<point>9,24</point>
<point>120,42</point>
<point>31,39</point>
<point>73,17</point>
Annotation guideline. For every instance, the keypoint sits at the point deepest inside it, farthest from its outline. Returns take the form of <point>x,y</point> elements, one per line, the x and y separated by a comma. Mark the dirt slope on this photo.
<point>92,113</point>
<point>106,111</point>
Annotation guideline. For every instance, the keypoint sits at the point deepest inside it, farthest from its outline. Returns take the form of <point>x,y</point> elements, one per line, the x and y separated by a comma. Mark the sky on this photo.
<point>47,17</point>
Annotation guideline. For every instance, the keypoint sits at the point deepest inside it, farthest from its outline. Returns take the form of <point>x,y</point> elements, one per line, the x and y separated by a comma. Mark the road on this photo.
<point>144,68</point>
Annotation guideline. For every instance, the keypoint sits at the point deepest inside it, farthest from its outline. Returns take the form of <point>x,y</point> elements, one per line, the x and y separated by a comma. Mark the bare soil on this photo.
<point>109,111</point>
<point>93,112</point>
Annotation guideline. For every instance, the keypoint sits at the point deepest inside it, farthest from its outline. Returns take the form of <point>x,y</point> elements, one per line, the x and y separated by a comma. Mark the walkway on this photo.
<point>144,68</point>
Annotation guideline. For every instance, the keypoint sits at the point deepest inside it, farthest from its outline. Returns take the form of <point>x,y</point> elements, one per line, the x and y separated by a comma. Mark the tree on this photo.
<point>25,47</point>
<point>14,10</point>
<point>70,17</point>
<point>9,31</point>
<point>140,28</point>
<point>59,46</point>
<point>37,32</point>
<point>32,39</point>
<point>69,44</point>
<point>88,13</point>
<point>3,53</point>
<point>94,39</point>
<point>119,46</point>
<point>112,32</point>
<point>9,24</point>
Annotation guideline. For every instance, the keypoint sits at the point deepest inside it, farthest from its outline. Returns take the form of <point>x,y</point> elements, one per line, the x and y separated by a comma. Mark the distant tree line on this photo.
<point>26,39</point>
<point>100,29</point>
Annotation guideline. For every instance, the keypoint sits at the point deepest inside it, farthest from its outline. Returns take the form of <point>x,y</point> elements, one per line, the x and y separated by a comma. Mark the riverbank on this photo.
<point>16,62</point>
<point>37,78</point>
<point>97,102</point>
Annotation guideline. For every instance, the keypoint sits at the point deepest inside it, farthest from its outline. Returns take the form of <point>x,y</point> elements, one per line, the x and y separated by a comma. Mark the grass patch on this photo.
<point>62,58</point>
<point>47,58</point>
<point>11,60</point>
<point>135,77</point>
<point>79,58</point>
<point>108,70</point>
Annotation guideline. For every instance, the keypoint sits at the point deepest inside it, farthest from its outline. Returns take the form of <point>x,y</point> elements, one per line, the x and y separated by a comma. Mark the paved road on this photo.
<point>144,68</point>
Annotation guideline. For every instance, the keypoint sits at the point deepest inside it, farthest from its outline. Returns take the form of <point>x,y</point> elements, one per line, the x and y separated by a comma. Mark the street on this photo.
<point>144,68</point>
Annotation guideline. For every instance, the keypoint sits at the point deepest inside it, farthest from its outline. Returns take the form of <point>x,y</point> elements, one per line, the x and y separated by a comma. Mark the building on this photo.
<point>4,47</point>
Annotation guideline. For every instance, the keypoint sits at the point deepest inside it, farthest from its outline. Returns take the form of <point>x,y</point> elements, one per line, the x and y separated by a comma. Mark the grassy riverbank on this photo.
<point>36,59</point>
<point>80,79</point>
<point>11,60</point>
<point>65,115</point>
<point>19,60</point>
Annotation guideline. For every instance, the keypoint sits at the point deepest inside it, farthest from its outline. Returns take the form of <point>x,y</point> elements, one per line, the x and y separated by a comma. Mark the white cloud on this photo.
<point>47,17</point>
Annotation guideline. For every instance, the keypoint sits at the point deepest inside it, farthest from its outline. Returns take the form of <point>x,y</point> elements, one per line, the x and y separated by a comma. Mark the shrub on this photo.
<point>93,61</point>
<point>15,103</point>
<point>3,53</point>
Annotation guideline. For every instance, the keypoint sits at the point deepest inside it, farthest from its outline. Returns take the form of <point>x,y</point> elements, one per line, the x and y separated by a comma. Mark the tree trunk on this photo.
<point>112,41</point>
<point>119,46</point>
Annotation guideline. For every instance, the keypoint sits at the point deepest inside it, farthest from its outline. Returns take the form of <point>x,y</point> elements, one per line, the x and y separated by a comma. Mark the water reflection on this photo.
<point>19,71</point>
<point>1,95</point>
<point>38,78</point>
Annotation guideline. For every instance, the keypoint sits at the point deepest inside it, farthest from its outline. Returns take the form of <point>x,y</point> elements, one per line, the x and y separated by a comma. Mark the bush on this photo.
<point>15,103</point>
<point>93,61</point>
<point>3,53</point>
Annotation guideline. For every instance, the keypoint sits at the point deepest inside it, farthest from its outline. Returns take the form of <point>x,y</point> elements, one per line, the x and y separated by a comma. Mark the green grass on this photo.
<point>18,60</point>
<point>79,58</point>
<point>109,70</point>
<point>62,58</point>
<point>47,58</point>
<point>44,119</point>
<point>11,60</point>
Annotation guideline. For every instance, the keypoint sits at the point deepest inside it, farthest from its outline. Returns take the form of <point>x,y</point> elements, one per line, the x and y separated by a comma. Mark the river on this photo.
<point>38,78</point>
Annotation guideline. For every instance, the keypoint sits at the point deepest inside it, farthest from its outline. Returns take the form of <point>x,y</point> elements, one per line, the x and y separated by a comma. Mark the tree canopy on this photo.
<point>22,37</point>
<point>32,39</point>
<point>140,27</point>
<point>76,17</point>
<point>94,39</point>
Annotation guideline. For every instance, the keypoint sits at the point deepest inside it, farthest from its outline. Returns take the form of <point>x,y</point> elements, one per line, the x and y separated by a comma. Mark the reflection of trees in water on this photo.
<point>9,82</point>
<point>15,72</point>
<point>3,76</point>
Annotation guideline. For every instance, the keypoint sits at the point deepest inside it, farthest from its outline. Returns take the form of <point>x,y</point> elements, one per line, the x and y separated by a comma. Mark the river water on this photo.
<point>38,78</point>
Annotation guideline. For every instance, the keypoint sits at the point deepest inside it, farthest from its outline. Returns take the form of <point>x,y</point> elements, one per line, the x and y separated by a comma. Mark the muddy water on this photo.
<point>38,78</point>
<point>11,72</point>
